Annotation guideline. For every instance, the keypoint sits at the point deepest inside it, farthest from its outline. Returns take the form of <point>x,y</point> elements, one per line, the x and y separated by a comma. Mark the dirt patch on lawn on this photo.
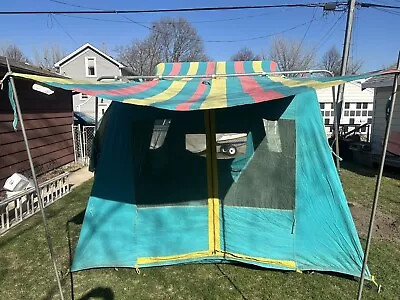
<point>386,225</point>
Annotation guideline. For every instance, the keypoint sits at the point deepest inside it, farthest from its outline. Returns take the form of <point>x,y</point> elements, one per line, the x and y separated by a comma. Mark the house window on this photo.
<point>358,113</point>
<point>347,105</point>
<point>322,105</point>
<point>84,97</point>
<point>369,120</point>
<point>326,121</point>
<point>90,63</point>
<point>364,113</point>
<point>358,105</point>
<point>102,111</point>
<point>370,113</point>
<point>351,120</point>
<point>352,113</point>
<point>346,113</point>
<point>365,105</point>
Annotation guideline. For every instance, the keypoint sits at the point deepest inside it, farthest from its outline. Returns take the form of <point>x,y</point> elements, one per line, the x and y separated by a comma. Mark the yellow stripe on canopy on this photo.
<point>45,79</point>
<point>217,96</point>
<point>160,69</point>
<point>292,83</point>
<point>257,66</point>
<point>174,89</point>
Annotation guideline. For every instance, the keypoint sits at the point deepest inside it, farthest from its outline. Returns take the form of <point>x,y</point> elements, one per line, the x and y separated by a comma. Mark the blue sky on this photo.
<point>375,38</point>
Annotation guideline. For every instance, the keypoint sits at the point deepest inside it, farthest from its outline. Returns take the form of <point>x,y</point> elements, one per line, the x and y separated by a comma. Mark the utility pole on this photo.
<point>351,5</point>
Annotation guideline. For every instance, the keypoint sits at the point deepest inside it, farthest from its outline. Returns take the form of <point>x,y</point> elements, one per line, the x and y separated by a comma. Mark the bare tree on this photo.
<point>332,61</point>
<point>141,56</point>
<point>245,54</point>
<point>291,55</point>
<point>170,40</point>
<point>48,56</point>
<point>14,53</point>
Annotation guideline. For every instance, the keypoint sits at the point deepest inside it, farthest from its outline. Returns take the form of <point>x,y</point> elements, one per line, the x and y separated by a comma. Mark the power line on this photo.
<point>237,40</point>
<point>387,11</point>
<point>164,10</point>
<point>52,17</point>
<point>116,21</point>
<point>209,41</point>
<point>332,29</point>
<point>143,22</point>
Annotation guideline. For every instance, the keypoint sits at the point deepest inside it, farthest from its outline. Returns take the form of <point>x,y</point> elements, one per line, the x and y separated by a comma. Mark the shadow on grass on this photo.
<point>99,293</point>
<point>15,232</point>
<point>231,282</point>
<point>77,220</point>
<point>389,171</point>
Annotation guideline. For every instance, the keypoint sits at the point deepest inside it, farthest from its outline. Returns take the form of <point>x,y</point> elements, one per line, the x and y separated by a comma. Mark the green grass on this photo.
<point>26,271</point>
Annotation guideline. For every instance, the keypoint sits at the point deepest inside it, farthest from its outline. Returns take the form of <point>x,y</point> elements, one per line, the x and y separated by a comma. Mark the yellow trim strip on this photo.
<point>215,199</point>
<point>214,236</point>
<point>219,255</point>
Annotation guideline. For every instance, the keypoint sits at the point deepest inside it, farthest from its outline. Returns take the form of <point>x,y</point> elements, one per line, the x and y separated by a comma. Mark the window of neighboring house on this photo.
<point>103,111</point>
<point>351,120</point>
<point>364,113</point>
<point>322,105</point>
<point>346,113</point>
<point>358,113</point>
<point>326,121</point>
<point>84,97</point>
<point>370,112</point>
<point>90,63</point>
<point>347,105</point>
<point>358,105</point>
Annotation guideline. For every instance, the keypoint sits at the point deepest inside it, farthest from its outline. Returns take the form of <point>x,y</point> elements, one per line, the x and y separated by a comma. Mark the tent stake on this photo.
<point>28,151</point>
<point>379,180</point>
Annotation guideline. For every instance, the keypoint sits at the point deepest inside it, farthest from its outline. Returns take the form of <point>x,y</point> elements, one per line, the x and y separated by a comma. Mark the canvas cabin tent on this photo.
<point>277,204</point>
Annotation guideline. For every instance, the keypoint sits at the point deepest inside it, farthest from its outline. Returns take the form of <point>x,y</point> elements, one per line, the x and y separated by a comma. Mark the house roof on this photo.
<point>83,48</point>
<point>22,67</point>
<point>379,81</point>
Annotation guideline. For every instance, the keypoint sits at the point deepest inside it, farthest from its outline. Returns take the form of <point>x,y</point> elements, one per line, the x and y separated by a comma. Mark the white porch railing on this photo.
<point>21,206</point>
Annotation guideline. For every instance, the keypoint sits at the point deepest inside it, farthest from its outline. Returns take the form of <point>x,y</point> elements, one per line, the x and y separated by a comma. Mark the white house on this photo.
<point>357,110</point>
<point>383,91</point>
<point>89,63</point>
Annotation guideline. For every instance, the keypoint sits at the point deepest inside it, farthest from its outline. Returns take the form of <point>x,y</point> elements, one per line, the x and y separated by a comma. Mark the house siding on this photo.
<point>76,69</point>
<point>48,121</point>
<point>381,97</point>
<point>353,94</point>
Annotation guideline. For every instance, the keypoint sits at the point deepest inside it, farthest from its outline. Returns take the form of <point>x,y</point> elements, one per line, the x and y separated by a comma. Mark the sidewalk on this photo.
<point>78,177</point>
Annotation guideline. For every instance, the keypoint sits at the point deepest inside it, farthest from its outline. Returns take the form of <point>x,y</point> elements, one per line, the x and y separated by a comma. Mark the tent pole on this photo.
<point>379,179</point>
<point>336,129</point>
<point>28,151</point>
<point>96,113</point>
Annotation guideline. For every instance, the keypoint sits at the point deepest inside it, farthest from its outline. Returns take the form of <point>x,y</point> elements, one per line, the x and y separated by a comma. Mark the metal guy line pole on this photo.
<point>379,179</point>
<point>28,151</point>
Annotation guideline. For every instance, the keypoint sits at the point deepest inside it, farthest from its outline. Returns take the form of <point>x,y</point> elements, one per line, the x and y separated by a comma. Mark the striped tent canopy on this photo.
<point>210,92</point>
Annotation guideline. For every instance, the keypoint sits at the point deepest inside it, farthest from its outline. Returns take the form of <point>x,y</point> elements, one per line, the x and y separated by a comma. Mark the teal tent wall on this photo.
<point>279,209</point>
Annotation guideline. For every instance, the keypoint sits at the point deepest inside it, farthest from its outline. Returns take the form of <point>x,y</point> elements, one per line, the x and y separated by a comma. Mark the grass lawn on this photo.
<point>26,271</point>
